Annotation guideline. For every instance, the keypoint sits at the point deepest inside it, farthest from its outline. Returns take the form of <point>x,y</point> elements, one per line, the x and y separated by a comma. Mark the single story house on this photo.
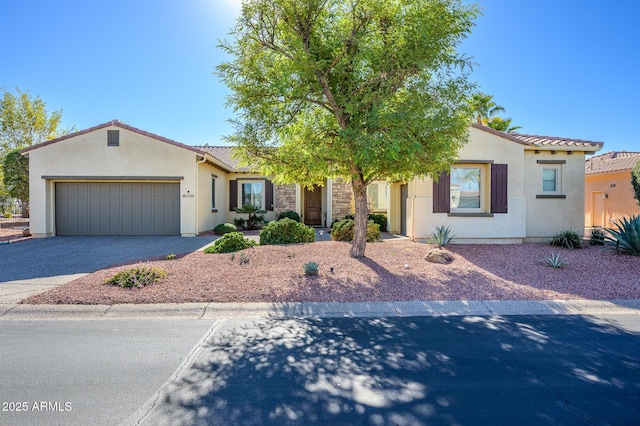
<point>115,179</point>
<point>608,191</point>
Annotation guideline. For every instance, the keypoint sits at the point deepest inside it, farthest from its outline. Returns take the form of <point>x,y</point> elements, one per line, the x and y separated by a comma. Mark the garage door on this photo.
<point>117,208</point>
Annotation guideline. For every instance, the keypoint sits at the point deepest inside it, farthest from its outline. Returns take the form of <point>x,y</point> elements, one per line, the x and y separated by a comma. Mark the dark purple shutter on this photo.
<point>268,195</point>
<point>441,197</point>
<point>499,179</point>
<point>233,194</point>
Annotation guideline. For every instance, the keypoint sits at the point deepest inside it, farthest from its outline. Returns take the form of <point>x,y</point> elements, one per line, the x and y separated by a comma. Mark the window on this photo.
<point>213,192</point>
<point>465,190</point>
<point>113,137</point>
<point>378,195</point>
<point>252,193</point>
<point>550,180</point>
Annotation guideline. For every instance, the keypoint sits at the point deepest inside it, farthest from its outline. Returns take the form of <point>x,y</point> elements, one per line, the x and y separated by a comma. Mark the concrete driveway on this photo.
<point>36,265</point>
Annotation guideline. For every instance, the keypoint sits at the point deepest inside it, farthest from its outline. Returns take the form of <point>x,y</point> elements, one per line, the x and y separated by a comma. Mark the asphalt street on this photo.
<point>463,370</point>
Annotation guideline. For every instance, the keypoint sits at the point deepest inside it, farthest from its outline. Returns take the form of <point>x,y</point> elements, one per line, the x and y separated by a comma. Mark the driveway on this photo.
<point>39,264</point>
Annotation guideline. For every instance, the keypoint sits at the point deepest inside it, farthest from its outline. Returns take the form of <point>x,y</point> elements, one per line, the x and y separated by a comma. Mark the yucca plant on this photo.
<point>567,238</point>
<point>555,261</point>
<point>625,237</point>
<point>442,236</point>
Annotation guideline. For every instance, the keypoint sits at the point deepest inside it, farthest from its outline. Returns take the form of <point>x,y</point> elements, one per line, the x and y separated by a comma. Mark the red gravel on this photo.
<point>274,274</point>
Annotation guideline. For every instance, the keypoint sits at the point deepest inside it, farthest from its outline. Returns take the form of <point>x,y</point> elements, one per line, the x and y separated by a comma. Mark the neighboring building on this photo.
<point>608,190</point>
<point>114,179</point>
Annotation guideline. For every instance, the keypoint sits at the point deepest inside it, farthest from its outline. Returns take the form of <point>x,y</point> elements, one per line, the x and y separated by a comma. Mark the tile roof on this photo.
<point>225,155</point>
<point>543,141</point>
<point>614,161</point>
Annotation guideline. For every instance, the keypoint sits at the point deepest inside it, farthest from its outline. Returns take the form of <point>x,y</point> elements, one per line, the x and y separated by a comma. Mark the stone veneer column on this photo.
<point>342,199</point>
<point>285,198</point>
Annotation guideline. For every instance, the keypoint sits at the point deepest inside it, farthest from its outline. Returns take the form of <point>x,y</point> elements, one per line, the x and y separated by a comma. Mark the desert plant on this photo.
<point>311,268</point>
<point>596,236</point>
<point>243,259</point>
<point>289,214</point>
<point>555,261</point>
<point>567,238</point>
<point>233,241</point>
<point>171,256</point>
<point>137,277</point>
<point>343,231</point>
<point>286,231</point>
<point>256,216</point>
<point>442,236</point>
<point>239,222</point>
<point>224,228</point>
<point>625,237</point>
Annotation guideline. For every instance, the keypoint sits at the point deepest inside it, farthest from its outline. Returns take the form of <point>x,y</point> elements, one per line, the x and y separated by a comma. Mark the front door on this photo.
<point>313,206</point>
<point>597,209</point>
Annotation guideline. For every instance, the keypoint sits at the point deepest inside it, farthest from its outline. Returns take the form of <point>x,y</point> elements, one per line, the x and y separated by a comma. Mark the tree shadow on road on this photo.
<point>411,370</point>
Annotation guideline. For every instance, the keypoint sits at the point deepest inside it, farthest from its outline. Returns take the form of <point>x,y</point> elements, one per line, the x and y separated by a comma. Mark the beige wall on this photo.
<point>87,155</point>
<point>619,201</point>
<point>483,147</point>
<point>548,216</point>
<point>208,217</point>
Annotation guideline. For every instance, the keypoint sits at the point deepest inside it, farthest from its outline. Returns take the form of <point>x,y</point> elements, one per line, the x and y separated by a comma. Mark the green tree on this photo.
<point>635,182</point>
<point>483,108</point>
<point>361,90</point>
<point>502,124</point>
<point>16,177</point>
<point>24,121</point>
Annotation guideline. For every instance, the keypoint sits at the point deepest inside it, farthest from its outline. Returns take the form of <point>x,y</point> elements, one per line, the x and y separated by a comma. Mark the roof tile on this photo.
<point>615,161</point>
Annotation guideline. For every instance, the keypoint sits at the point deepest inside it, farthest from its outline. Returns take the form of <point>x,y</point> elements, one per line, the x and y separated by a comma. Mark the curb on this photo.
<point>212,311</point>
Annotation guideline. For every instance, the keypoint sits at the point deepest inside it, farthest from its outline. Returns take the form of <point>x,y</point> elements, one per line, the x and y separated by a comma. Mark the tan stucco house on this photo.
<point>608,190</point>
<point>115,179</point>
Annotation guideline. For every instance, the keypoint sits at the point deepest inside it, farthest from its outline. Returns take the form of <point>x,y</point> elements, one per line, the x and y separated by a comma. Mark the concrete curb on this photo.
<point>211,311</point>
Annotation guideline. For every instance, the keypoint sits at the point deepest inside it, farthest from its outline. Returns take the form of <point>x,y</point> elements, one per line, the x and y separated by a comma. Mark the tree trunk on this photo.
<point>25,209</point>
<point>362,214</point>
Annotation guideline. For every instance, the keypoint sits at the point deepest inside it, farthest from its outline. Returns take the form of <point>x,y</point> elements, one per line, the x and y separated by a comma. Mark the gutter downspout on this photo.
<point>413,210</point>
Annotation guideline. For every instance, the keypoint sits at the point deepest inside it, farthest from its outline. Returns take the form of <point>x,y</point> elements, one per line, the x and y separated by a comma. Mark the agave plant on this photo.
<point>555,261</point>
<point>442,236</point>
<point>625,237</point>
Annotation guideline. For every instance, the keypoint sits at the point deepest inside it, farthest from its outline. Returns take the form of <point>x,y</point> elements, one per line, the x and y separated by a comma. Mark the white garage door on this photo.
<point>117,208</point>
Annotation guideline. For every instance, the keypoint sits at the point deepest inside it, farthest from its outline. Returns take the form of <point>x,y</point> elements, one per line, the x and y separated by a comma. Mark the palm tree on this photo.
<point>503,125</point>
<point>484,107</point>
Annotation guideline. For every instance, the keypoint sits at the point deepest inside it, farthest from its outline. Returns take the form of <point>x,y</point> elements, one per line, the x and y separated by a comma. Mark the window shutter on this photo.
<point>499,200</point>
<point>268,195</point>
<point>441,197</point>
<point>233,195</point>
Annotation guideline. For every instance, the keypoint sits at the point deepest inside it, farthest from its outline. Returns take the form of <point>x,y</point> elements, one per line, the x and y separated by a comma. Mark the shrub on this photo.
<point>555,261</point>
<point>596,236</point>
<point>378,218</point>
<point>568,238</point>
<point>290,214</point>
<point>286,231</point>
<point>239,222</point>
<point>256,216</point>
<point>311,268</point>
<point>343,231</point>
<point>8,215</point>
<point>625,237</point>
<point>137,277</point>
<point>442,236</point>
<point>171,256</point>
<point>224,228</point>
<point>233,241</point>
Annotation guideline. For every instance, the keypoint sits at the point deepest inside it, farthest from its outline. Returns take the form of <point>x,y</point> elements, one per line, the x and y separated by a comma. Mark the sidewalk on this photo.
<point>207,311</point>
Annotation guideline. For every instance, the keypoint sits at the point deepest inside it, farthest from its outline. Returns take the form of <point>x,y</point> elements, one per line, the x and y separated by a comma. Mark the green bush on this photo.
<point>8,215</point>
<point>567,238</point>
<point>311,268</point>
<point>442,236</point>
<point>625,237</point>
<point>239,222</point>
<point>233,241</point>
<point>286,231</point>
<point>343,231</point>
<point>378,218</point>
<point>137,277</point>
<point>224,228</point>
<point>289,214</point>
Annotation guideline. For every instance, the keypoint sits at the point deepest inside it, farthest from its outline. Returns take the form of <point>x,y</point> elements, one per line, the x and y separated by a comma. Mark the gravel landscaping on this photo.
<point>393,270</point>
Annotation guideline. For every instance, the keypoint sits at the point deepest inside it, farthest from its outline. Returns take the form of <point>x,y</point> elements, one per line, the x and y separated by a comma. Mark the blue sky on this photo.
<point>560,68</point>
